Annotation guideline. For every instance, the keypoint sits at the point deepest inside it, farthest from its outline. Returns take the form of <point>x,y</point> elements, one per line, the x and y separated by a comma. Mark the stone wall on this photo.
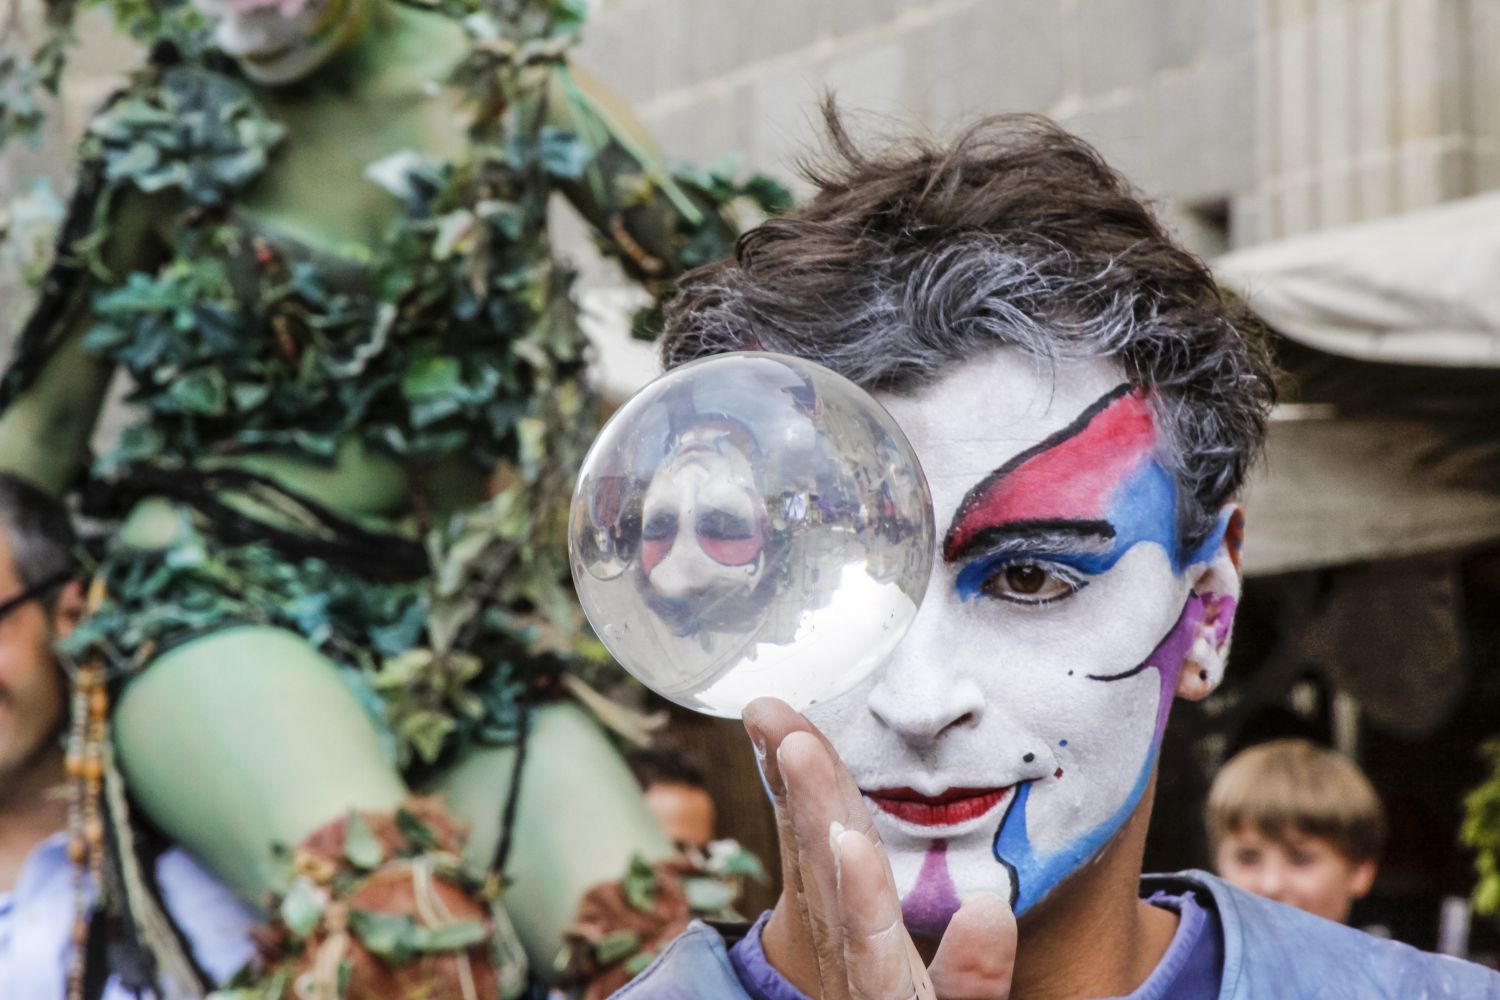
<point>1246,120</point>
<point>1373,107</point>
<point>1165,87</point>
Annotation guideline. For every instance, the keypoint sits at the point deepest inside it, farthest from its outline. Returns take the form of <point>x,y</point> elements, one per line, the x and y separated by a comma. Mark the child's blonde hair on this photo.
<point>1294,786</point>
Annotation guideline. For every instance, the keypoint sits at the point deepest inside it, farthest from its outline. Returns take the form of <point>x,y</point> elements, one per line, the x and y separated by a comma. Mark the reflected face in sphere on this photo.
<point>703,531</point>
<point>1015,728</point>
<point>281,41</point>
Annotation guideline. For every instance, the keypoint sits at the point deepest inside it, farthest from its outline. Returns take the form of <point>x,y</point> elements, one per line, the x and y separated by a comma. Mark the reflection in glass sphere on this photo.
<point>751,524</point>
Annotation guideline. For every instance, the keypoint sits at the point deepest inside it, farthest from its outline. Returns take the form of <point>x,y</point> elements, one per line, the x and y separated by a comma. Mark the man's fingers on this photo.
<point>878,953</point>
<point>977,954</point>
<point>769,721</point>
<point>814,806</point>
<point>760,726</point>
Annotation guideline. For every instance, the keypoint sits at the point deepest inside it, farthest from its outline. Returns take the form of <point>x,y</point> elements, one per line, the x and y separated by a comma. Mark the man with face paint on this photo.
<point>970,821</point>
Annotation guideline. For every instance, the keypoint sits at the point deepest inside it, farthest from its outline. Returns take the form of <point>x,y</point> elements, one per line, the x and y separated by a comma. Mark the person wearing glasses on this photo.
<point>41,601</point>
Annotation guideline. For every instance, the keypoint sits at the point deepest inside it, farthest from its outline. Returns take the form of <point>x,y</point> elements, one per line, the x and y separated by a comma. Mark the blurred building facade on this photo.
<point>1248,120</point>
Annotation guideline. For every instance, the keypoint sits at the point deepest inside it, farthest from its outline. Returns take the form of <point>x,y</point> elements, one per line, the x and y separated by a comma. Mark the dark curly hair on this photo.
<point>912,260</point>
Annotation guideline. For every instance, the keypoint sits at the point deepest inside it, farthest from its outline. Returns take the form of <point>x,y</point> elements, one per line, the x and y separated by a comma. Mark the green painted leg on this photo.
<point>580,819</point>
<point>245,740</point>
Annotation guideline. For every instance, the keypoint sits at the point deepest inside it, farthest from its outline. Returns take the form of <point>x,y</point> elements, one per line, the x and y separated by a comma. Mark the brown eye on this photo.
<point>1025,580</point>
<point>1029,583</point>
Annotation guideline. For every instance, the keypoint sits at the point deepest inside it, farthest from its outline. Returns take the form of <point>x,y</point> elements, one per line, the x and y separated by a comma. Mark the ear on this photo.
<point>1361,878</point>
<point>1216,580</point>
<point>67,611</point>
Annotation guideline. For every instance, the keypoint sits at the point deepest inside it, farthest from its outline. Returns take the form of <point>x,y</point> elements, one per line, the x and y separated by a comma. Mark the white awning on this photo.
<point>1420,288</point>
<point>1338,491</point>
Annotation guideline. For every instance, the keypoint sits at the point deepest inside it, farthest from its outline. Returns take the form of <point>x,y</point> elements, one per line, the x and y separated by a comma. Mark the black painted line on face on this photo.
<point>1147,661</point>
<point>976,494</point>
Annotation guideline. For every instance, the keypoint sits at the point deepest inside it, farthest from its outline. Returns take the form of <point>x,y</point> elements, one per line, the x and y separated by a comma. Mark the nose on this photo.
<point>1271,881</point>
<point>919,700</point>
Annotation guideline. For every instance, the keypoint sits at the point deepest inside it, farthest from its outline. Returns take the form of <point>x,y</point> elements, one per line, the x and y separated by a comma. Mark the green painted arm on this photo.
<point>244,742</point>
<point>580,819</point>
<point>45,432</point>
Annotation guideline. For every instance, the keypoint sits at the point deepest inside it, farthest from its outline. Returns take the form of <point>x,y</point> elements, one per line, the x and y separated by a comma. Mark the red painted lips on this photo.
<point>956,805</point>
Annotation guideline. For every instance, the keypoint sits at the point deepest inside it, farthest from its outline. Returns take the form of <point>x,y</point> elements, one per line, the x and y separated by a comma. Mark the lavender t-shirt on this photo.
<point>1190,970</point>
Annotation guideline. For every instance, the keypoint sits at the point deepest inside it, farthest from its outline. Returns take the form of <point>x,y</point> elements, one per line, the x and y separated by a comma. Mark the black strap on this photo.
<point>373,555</point>
<point>96,955</point>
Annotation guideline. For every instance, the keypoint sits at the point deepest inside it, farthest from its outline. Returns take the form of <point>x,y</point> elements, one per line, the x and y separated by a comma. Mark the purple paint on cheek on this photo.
<point>1219,611</point>
<point>933,900</point>
<point>1168,656</point>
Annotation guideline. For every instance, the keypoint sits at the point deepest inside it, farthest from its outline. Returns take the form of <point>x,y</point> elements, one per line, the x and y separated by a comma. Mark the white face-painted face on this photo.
<point>1015,728</point>
<point>280,41</point>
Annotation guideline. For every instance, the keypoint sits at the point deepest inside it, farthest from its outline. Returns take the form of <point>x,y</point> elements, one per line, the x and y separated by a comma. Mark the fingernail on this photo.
<point>757,739</point>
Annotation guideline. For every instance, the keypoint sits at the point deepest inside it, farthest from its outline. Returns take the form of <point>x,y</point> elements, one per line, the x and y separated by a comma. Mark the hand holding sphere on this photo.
<point>751,524</point>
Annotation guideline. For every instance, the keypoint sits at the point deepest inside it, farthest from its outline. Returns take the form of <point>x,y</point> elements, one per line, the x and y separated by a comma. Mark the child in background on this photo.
<point>677,795</point>
<point>1296,823</point>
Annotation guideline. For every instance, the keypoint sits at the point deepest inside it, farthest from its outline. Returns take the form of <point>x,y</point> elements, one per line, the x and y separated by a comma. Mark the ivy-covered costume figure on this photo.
<point>332,625</point>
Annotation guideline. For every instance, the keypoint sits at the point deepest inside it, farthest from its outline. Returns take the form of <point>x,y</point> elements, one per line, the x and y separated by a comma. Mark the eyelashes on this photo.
<point>1024,580</point>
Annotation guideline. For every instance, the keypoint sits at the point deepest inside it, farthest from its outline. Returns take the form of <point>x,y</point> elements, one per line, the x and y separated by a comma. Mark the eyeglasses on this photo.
<point>33,592</point>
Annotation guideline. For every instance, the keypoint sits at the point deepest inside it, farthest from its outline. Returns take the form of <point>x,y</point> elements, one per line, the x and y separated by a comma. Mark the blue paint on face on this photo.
<point>1143,508</point>
<point>1036,874</point>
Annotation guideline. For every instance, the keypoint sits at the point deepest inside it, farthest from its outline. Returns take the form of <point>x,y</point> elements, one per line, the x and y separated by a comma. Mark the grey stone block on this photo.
<point>1200,129</point>
<point>1117,128</point>
<point>1430,173</point>
<point>1125,42</point>
<point>1337,195</point>
<point>774,28</point>
<point>784,104</point>
<point>638,47</point>
<point>1229,26</point>
<point>872,79</point>
<point>1433,79</point>
<point>1294,93</point>
<point>1479,50</point>
<point>1333,82</point>
<point>701,132</point>
<point>1246,221</point>
<point>1377,186</point>
<point>995,57</point>
<point>1297,203</point>
<point>1374,75</point>
<point>843,17</point>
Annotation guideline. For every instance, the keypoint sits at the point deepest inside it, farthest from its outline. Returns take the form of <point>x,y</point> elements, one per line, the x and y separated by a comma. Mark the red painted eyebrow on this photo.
<point>1066,478</point>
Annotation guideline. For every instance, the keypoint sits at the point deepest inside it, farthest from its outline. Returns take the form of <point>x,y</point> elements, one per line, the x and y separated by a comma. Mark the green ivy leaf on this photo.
<point>361,847</point>
<point>457,935</point>
<point>563,154</point>
<point>203,391</point>
<point>427,378</point>
<point>616,945</point>
<point>388,935</point>
<point>302,907</point>
<point>707,895</point>
<point>415,830</point>
<point>640,884</point>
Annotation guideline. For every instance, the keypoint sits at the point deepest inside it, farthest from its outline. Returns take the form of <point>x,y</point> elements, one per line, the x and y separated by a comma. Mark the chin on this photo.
<point>935,874</point>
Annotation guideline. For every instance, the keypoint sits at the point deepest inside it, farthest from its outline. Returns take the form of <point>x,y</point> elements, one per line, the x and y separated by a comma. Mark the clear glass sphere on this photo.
<point>751,524</point>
